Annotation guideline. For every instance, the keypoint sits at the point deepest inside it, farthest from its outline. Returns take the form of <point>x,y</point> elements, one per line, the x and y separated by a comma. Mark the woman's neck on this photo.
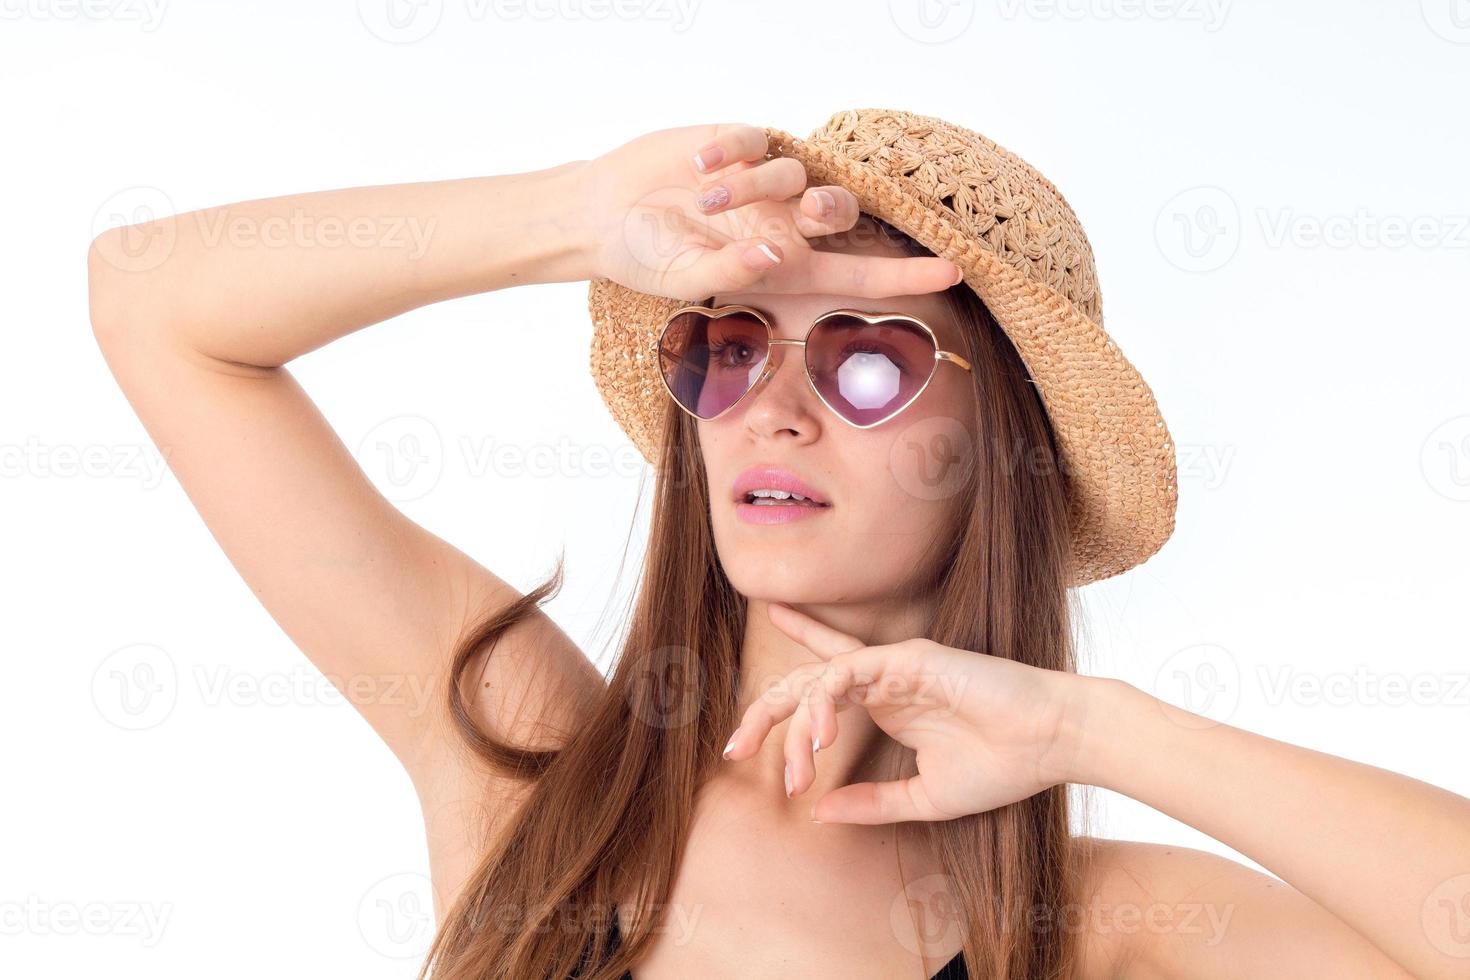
<point>862,751</point>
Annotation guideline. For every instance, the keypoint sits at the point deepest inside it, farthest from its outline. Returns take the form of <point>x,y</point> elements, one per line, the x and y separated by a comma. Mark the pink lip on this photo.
<point>775,478</point>
<point>776,513</point>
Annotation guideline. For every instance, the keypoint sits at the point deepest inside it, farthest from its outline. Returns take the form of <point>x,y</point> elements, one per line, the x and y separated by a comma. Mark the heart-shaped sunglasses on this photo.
<point>865,367</point>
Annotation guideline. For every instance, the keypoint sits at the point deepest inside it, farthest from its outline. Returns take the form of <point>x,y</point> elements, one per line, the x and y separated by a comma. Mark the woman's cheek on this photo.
<point>930,459</point>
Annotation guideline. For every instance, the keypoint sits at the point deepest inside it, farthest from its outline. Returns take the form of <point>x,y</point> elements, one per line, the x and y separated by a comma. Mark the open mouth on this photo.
<point>771,494</point>
<point>779,498</point>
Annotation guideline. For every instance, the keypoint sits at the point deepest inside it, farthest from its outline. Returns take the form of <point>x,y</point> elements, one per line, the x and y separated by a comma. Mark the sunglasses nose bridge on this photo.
<point>774,358</point>
<point>773,361</point>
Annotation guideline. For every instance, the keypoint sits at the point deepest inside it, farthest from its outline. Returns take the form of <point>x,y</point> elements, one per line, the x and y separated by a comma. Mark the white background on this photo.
<point>1246,172</point>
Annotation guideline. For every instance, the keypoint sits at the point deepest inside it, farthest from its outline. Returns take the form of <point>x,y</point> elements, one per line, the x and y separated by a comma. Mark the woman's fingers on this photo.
<point>825,210</point>
<point>813,727</point>
<point>823,708</point>
<point>738,174</point>
<point>816,636</point>
<point>775,704</point>
<point>877,803</point>
<point>815,211</point>
<point>755,230</point>
<point>782,700</point>
<point>762,264</point>
<point>739,265</point>
<point>873,276</point>
<point>731,143</point>
<point>773,180</point>
<point>798,751</point>
<point>826,685</point>
<point>735,163</point>
<point>810,695</point>
<point>843,651</point>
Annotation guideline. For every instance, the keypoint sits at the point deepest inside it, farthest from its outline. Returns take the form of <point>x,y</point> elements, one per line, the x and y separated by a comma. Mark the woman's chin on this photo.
<point>806,581</point>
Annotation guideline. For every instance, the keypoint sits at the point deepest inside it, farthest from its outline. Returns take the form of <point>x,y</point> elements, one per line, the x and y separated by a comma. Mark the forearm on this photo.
<point>1375,848</point>
<point>262,282</point>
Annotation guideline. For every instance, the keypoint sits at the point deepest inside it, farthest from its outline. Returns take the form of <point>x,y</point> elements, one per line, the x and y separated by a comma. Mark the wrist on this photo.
<point>1094,709</point>
<point>559,230</point>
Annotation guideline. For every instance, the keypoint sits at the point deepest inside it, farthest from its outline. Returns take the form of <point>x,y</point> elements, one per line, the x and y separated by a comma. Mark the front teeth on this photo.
<point>777,495</point>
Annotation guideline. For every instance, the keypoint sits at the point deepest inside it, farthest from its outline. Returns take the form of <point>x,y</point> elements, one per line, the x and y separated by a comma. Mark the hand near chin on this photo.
<point>986,731</point>
<point>659,224</point>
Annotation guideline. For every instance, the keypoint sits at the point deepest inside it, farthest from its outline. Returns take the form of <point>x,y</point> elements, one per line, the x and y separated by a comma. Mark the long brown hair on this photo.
<point>607,813</point>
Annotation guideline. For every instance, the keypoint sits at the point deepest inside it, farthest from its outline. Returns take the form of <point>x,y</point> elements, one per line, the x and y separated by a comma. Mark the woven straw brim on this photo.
<point>1118,457</point>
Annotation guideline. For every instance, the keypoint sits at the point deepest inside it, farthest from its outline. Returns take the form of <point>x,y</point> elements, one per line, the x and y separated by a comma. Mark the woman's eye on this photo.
<point>732,354</point>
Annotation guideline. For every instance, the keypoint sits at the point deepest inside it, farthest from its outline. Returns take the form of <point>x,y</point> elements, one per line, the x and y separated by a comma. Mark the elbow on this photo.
<point>122,280</point>
<point>105,303</point>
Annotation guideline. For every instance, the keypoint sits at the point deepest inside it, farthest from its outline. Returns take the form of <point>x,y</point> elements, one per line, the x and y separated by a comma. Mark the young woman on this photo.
<point>892,653</point>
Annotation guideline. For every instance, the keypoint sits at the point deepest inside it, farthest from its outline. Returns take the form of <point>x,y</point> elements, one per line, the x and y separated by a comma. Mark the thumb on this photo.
<point>876,803</point>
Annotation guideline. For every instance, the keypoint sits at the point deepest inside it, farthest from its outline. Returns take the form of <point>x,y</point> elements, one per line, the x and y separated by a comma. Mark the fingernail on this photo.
<point>959,276</point>
<point>731,744</point>
<point>814,817</point>
<point>816,743</point>
<point>715,197</point>
<point>826,203</point>
<point>788,778</point>
<point>760,256</point>
<point>709,158</point>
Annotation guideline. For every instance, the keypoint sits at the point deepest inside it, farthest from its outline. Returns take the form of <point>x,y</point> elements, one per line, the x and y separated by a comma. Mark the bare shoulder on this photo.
<point>1158,910</point>
<point>526,687</point>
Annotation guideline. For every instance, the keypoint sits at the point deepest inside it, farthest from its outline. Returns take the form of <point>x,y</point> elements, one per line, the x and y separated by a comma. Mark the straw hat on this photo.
<point>1024,253</point>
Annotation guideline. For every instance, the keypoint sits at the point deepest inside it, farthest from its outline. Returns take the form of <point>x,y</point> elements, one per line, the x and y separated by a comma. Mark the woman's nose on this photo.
<point>782,398</point>
<point>778,357</point>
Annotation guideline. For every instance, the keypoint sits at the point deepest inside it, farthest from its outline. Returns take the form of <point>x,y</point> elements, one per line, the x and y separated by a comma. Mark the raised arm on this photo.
<point>197,314</point>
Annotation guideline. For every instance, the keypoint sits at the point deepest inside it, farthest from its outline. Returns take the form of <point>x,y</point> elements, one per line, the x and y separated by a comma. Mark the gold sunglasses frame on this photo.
<point>716,312</point>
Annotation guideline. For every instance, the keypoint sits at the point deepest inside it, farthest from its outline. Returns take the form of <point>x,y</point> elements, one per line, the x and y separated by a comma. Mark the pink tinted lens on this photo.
<point>868,371</point>
<point>710,361</point>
